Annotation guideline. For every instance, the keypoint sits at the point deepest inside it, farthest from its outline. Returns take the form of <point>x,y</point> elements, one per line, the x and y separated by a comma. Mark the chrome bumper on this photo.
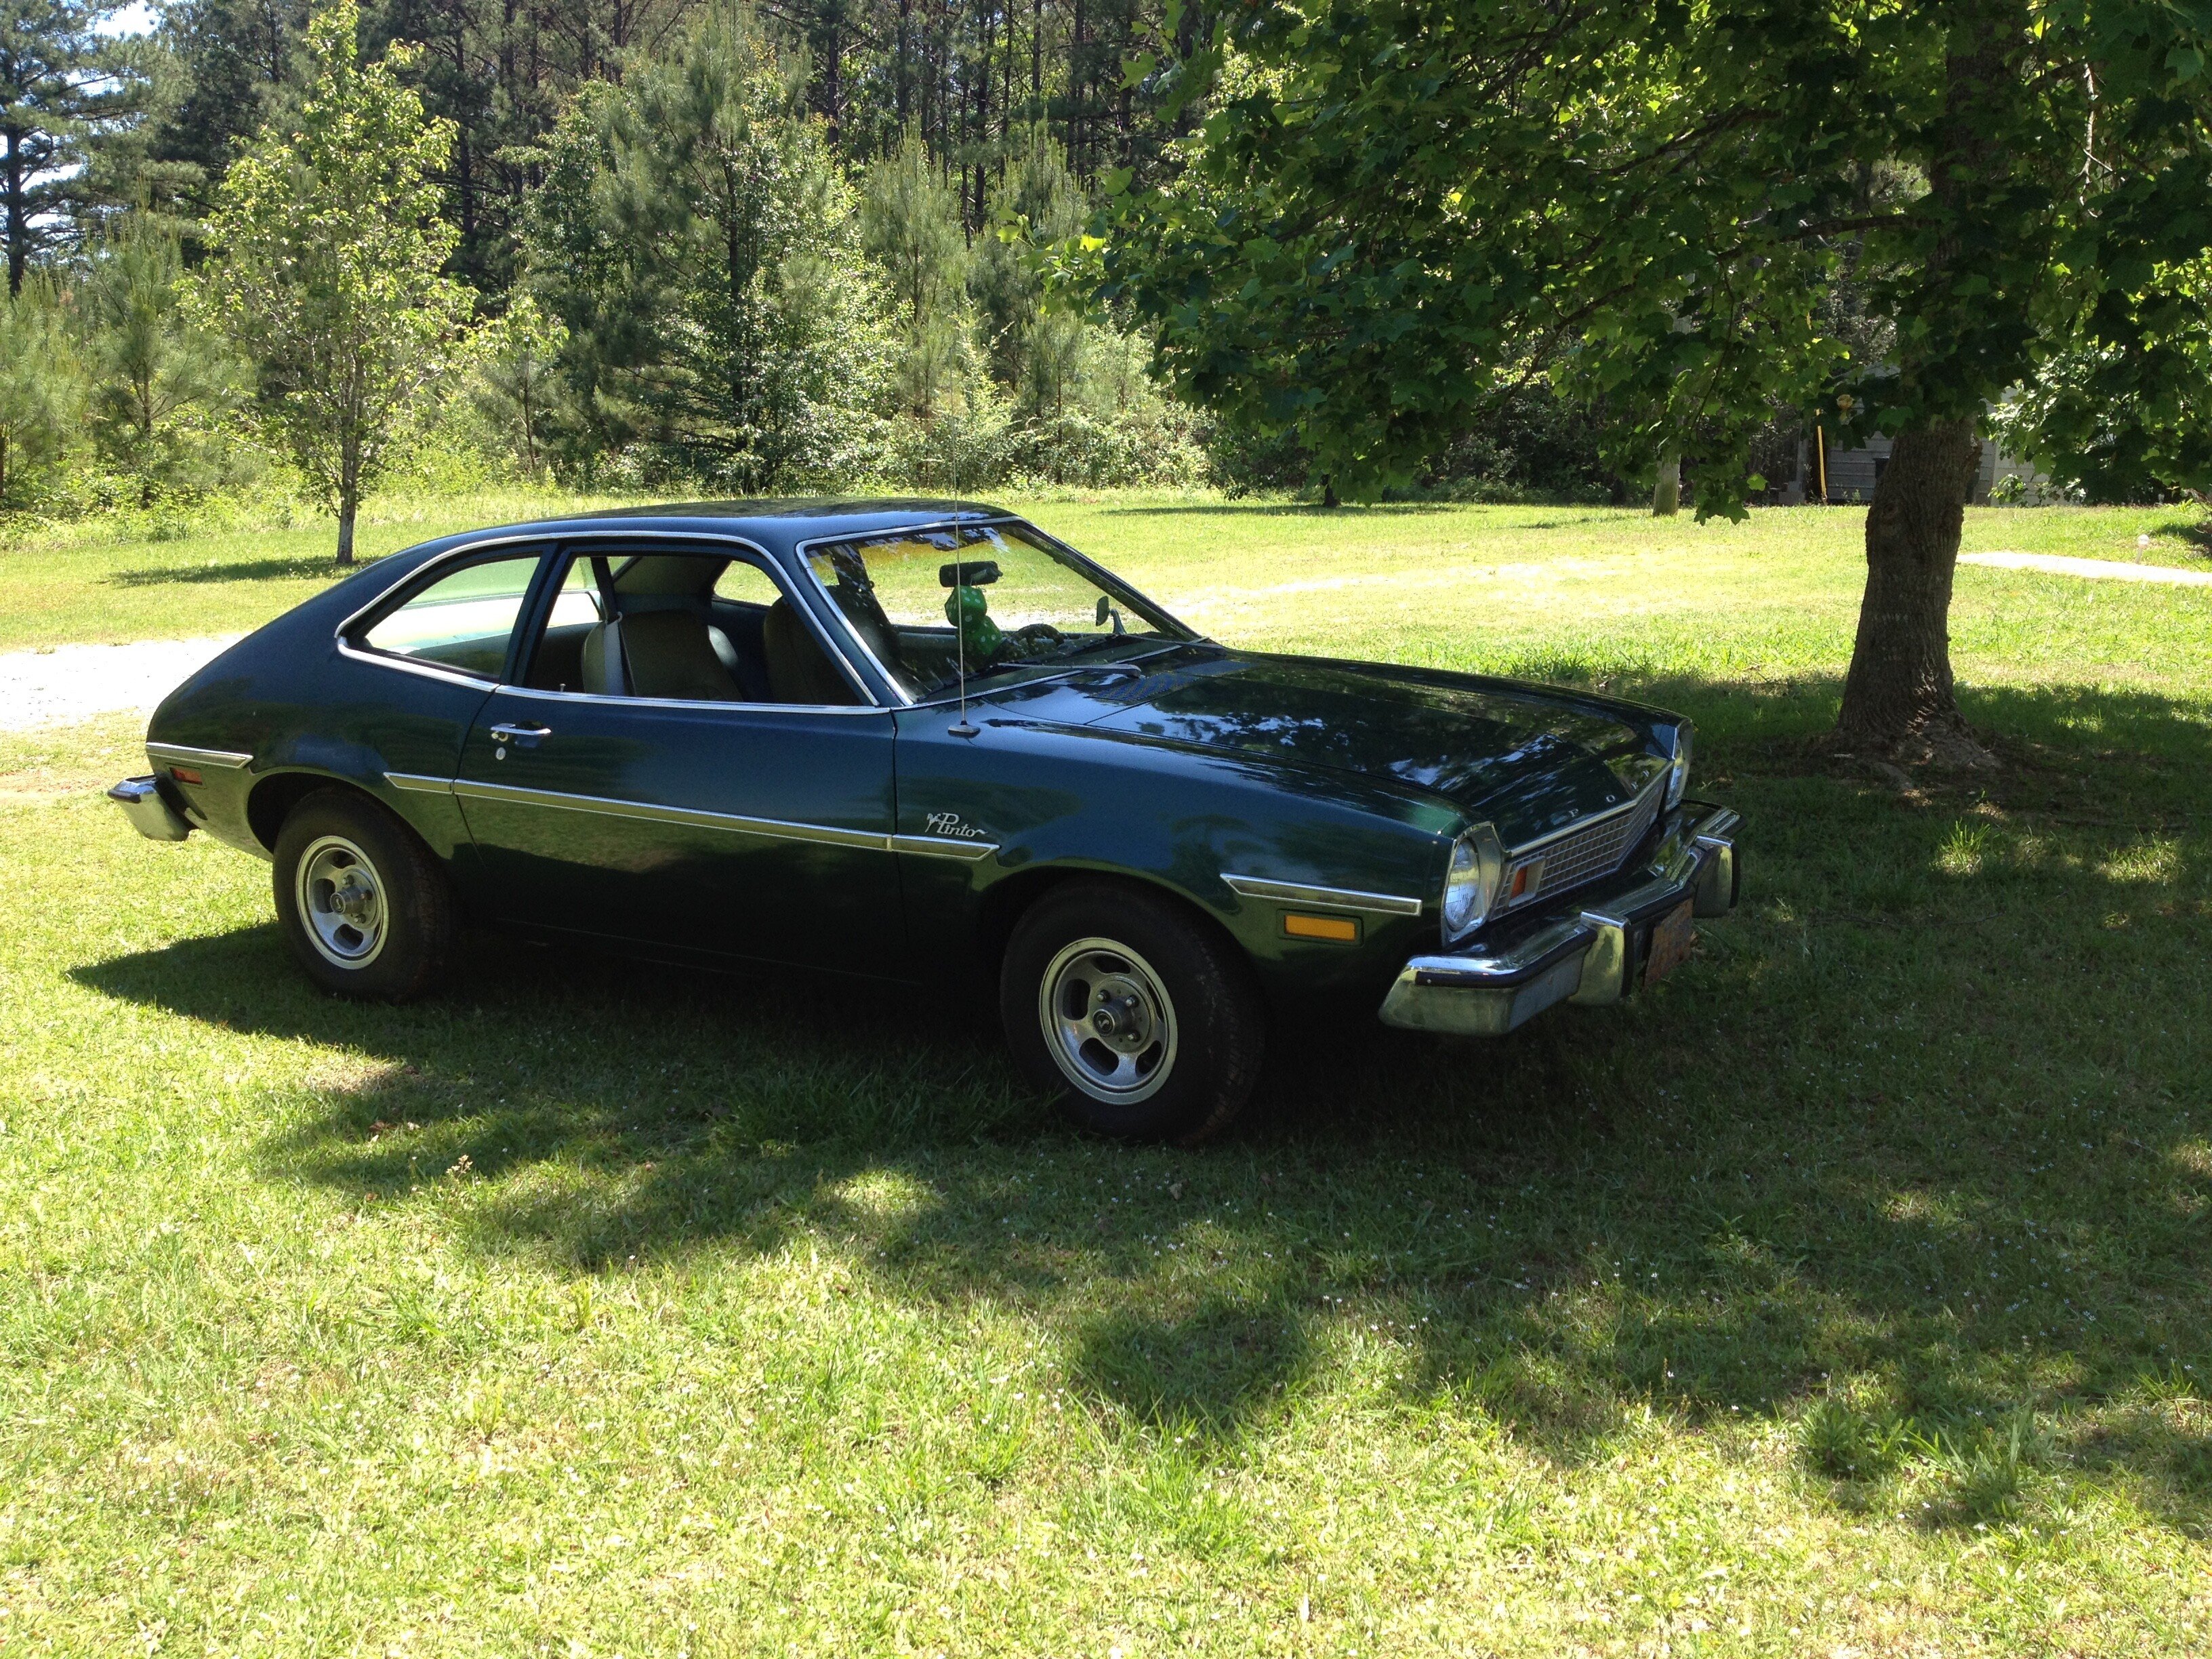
<point>1595,954</point>
<point>149,810</point>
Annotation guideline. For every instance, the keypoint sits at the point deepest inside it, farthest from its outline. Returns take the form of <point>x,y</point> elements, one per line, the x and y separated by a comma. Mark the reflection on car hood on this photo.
<point>1532,760</point>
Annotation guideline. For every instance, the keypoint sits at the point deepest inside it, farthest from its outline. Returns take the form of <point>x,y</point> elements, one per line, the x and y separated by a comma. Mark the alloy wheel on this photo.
<point>1109,1022</point>
<point>342,901</point>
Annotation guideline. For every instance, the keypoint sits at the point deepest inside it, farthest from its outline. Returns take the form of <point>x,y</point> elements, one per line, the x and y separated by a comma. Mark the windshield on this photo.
<point>1019,603</point>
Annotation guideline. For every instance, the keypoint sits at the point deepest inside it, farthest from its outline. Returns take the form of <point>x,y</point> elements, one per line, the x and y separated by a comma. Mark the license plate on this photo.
<point>1671,939</point>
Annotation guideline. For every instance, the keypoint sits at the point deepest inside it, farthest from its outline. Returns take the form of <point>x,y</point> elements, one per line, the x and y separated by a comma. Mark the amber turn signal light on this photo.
<point>184,774</point>
<point>1343,930</point>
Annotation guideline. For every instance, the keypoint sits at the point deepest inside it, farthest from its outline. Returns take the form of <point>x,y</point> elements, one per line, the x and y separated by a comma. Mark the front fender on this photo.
<point>1056,802</point>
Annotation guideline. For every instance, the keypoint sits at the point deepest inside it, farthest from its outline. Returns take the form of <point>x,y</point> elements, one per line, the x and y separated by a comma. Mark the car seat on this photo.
<point>799,670</point>
<point>661,652</point>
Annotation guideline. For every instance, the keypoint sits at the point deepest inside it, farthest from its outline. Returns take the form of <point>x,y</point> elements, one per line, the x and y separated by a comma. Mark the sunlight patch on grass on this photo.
<point>1844,1293</point>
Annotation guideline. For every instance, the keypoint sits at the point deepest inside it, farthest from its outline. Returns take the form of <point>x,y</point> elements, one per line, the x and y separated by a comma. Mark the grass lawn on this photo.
<point>1850,1294</point>
<point>77,584</point>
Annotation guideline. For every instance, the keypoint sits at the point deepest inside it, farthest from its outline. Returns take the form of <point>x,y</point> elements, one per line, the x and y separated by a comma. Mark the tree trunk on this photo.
<point>19,230</point>
<point>900,81</point>
<point>1328,491</point>
<point>348,504</point>
<point>1667,493</point>
<point>1900,686</point>
<point>1899,695</point>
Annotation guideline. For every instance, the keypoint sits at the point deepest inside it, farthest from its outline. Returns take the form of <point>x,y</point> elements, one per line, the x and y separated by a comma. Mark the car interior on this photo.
<point>698,628</point>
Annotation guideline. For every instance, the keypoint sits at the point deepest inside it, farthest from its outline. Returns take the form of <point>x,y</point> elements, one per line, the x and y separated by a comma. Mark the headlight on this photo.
<point>1477,861</point>
<point>1678,774</point>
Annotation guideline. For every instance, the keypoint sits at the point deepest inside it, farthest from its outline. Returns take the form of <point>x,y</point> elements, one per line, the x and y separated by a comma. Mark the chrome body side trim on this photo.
<point>538,692</point>
<point>602,807</point>
<point>177,753</point>
<point>775,829</point>
<point>417,783</point>
<point>941,847</point>
<point>1340,898</point>
<point>1593,956</point>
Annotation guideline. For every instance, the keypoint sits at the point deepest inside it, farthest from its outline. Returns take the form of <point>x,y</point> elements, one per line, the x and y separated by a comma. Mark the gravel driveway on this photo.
<point>2106,570</point>
<point>75,682</point>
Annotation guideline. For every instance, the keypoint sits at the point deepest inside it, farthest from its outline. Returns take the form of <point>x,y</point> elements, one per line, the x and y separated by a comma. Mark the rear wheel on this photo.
<point>1141,1018</point>
<point>363,903</point>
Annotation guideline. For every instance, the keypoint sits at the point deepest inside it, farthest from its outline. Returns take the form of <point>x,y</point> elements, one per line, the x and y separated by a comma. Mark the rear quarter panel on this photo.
<point>286,696</point>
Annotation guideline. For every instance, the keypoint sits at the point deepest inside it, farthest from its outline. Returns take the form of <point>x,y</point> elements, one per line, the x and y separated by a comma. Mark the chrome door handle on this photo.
<point>522,737</point>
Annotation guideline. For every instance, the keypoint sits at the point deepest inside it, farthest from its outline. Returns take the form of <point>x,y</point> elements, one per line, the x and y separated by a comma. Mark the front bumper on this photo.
<point>149,809</point>
<point>1595,953</point>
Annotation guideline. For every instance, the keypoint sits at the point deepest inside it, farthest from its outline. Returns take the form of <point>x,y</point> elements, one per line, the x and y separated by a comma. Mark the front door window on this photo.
<point>685,762</point>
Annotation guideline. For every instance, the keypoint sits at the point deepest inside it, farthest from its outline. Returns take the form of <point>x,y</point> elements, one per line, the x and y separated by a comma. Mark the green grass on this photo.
<point>1848,1293</point>
<point>80,583</point>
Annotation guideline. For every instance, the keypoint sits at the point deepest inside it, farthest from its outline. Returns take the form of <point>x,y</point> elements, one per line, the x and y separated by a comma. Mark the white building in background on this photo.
<point>1851,473</point>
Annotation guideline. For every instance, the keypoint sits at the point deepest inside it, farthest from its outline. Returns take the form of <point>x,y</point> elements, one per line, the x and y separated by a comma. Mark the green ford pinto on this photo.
<point>923,740</point>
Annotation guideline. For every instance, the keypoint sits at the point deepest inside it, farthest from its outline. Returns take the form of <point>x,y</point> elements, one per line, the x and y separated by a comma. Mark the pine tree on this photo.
<point>328,273</point>
<point>156,376</point>
<point>1036,351</point>
<point>40,386</point>
<point>697,241</point>
<point>910,227</point>
<point>61,83</point>
<point>519,383</point>
<point>234,63</point>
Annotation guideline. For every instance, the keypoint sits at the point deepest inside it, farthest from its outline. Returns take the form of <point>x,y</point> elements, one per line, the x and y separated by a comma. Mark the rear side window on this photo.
<point>462,621</point>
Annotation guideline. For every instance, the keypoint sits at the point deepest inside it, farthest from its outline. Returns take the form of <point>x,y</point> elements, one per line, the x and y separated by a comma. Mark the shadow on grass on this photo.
<point>1927,1121</point>
<point>286,567</point>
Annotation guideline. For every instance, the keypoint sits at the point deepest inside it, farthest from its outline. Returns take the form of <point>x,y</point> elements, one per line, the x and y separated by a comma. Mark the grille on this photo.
<point>1583,855</point>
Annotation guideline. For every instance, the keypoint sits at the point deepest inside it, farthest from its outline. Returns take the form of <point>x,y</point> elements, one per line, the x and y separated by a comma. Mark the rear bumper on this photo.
<point>151,812</point>
<point>1593,954</point>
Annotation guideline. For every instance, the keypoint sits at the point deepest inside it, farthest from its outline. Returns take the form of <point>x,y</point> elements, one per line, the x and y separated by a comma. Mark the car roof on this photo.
<point>778,526</point>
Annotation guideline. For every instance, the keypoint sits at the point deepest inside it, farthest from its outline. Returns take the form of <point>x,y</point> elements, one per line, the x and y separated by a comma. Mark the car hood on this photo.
<point>1528,759</point>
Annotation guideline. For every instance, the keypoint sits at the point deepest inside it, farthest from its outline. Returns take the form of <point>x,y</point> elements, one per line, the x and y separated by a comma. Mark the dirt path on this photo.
<point>75,682</point>
<point>2110,570</point>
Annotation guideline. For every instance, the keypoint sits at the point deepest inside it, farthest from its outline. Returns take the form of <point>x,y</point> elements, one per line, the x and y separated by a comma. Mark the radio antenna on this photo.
<point>964,729</point>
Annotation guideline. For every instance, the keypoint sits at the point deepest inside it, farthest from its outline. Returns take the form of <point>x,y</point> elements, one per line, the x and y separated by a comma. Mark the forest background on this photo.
<point>680,246</point>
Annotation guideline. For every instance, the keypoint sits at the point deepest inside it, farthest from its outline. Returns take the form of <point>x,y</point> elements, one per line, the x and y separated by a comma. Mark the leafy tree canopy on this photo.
<point>1390,200</point>
<point>1391,197</point>
<point>329,268</point>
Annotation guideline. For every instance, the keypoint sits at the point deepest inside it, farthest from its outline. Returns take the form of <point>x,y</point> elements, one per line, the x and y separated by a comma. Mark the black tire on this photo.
<point>393,944</point>
<point>1169,986</point>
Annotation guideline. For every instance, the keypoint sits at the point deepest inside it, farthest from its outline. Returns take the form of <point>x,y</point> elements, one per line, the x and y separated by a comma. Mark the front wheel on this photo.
<point>363,903</point>
<point>1140,1017</point>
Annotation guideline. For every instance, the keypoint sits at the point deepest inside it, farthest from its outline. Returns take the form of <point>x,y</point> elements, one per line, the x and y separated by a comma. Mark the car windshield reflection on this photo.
<point>992,600</point>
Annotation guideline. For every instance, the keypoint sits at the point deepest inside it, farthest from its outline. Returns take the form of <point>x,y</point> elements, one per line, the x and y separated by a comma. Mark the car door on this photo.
<point>722,820</point>
<point>411,673</point>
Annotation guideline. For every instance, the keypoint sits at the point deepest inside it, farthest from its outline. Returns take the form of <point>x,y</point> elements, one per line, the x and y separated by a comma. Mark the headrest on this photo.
<point>672,574</point>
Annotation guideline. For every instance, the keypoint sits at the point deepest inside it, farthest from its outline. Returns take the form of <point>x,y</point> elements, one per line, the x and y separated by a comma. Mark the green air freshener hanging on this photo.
<point>968,611</point>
